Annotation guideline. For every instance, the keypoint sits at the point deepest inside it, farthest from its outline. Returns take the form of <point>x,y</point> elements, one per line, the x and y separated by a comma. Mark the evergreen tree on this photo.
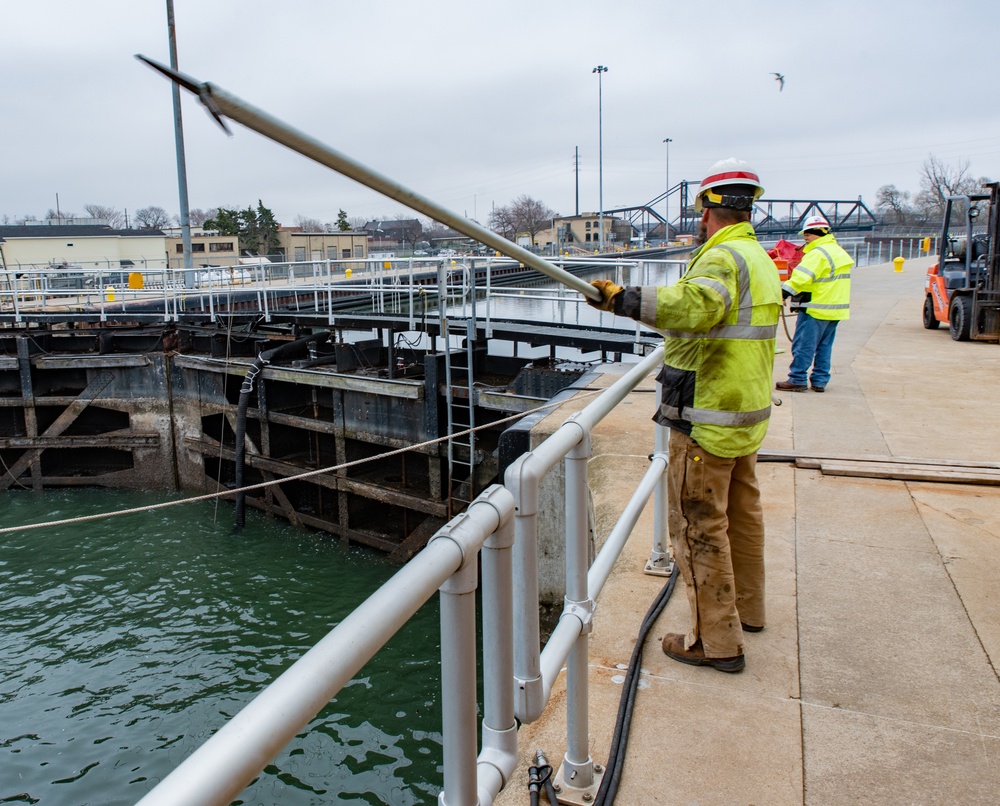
<point>267,227</point>
<point>342,223</point>
<point>226,221</point>
<point>256,229</point>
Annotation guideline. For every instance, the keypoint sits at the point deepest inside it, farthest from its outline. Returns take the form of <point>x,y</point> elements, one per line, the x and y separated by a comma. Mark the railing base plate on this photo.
<point>657,570</point>
<point>574,796</point>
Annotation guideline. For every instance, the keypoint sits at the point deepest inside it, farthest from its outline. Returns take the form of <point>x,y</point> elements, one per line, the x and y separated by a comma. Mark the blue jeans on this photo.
<point>812,345</point>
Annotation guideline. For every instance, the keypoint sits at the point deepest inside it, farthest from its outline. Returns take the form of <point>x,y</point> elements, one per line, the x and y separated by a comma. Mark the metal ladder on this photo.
<point>460,403</point>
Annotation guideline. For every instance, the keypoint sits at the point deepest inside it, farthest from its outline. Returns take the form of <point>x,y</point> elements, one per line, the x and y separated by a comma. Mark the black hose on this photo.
<point>534,785</point>
<point>784,323</point>
<point>619,741</point>
<point>281,351</point>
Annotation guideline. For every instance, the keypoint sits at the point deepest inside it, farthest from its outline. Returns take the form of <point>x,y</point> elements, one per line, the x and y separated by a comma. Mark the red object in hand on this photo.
<point>786,256</point>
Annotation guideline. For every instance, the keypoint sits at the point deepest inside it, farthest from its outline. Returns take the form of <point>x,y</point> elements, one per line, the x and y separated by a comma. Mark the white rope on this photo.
<point>307,474</point>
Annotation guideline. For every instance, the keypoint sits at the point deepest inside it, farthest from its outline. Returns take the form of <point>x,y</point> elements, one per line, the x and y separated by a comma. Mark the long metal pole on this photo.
<point>182,190</point>
<point>600,70</point>
<point>221,103</point>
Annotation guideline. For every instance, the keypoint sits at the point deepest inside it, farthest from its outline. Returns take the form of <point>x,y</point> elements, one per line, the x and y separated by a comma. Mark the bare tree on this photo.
<point>501,220</point>
<point>891,201</point>
<point>357,223</point>
<point>938,181</point>
<point>531,216</point>
<point>115,218</point>
<point>198,217</point>
<point>151,218</point>
<point>308,224</point>
<point>62,215</point>
<point>411,231</point>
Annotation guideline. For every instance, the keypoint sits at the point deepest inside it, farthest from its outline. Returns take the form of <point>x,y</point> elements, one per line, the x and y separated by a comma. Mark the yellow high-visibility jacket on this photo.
<point>719,323</point>
<point>825,272</point>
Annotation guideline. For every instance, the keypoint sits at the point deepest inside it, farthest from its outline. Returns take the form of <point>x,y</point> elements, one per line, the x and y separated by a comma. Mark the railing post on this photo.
<point>530,696</point>
<point>458,680</point>
<point>578,767</point>
<point>498,757</point>
<point>659,562</point>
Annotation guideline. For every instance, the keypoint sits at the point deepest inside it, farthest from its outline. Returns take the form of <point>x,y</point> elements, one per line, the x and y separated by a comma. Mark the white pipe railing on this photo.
<point>169,291</point>
<point>500,525</point>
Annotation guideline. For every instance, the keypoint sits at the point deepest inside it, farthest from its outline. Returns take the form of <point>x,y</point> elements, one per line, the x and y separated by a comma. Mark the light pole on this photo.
<point>600,70</point>
<point>666,199</point>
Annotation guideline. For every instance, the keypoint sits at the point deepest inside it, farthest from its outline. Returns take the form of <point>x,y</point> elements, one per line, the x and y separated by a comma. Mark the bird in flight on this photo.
<point>780,79</point>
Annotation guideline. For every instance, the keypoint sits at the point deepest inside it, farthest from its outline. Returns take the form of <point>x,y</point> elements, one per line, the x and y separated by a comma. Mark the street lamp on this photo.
<point>666,199</point>
<point>600,70</point>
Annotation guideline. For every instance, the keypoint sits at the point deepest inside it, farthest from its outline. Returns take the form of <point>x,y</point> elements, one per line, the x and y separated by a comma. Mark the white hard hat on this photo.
<point>815,222</point>
<point>728,172</point>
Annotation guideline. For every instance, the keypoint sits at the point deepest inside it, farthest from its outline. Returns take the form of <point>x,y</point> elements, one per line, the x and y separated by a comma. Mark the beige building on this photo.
<point>207,248</point>
<point>102,247</point>
<point>299,246</point>
<point>584,232</point>
<point>84,245</point>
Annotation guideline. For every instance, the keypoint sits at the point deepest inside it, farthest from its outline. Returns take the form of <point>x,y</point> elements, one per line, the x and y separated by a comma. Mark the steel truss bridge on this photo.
<point>770,217</point>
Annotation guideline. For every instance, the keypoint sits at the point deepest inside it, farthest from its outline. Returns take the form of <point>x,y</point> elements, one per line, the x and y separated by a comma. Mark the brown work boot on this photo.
<point>788,386</point>
<point>673,647</point>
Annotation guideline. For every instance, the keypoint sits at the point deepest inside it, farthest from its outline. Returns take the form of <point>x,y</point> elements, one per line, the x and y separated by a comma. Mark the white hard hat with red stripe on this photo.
<point>815,222</point>
<point>729,172</point>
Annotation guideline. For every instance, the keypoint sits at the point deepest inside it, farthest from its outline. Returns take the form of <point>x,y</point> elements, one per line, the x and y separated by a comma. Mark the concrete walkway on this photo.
<point>875,680</point>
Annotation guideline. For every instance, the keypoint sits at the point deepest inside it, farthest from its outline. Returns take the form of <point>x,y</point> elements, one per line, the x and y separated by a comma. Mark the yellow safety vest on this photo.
<point>825,272</point>
<point>719,323</point>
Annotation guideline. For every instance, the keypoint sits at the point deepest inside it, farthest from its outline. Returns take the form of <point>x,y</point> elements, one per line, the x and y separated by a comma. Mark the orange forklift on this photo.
<point>963,287</point>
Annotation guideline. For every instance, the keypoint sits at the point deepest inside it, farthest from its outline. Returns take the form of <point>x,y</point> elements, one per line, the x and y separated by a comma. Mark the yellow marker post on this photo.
<point>347,274</point>
<point>898,263</point>
<point>109,294</point>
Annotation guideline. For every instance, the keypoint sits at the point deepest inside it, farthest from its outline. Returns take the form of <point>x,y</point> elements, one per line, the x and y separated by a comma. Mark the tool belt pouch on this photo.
<point>798,302</point>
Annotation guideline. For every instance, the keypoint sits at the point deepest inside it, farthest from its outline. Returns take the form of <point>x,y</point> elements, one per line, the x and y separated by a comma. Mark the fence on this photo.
<point>501,526</point>
<point>318,286</point>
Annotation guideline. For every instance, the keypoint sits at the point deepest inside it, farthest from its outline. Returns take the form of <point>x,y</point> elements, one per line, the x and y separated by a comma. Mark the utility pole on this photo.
<point>179,143</point>
<point>666,199</point>
<point>576,164</point>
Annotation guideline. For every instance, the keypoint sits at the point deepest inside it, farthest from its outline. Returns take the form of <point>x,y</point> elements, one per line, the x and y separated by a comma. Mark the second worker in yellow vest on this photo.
<point>825,276</point>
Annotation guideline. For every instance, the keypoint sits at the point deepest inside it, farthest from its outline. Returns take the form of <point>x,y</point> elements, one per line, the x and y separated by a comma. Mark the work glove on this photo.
<point>609,291</point>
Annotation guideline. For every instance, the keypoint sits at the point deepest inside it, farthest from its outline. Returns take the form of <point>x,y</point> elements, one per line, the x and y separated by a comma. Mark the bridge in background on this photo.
<point>771,217</point>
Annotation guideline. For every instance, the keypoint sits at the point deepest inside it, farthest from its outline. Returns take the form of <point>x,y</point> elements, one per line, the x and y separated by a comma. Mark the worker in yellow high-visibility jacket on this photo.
<point>824,277</point>
<point>719,323</point>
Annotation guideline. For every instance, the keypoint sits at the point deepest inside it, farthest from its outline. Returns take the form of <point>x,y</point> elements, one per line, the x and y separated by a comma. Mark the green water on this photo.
<point>126,642</point>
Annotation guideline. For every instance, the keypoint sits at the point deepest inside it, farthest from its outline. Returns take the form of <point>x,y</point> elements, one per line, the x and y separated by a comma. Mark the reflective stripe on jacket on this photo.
<point>719,323</point>
<point>825,272</point>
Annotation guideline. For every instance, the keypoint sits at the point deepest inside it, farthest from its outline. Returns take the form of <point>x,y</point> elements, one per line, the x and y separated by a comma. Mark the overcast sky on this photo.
<point>474,103</point>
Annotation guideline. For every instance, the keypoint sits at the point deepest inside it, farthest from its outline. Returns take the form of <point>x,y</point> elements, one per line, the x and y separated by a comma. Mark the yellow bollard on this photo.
<point>925,244</point>
<point>347,274</point>
<point>109,294</point>
<point>135,280</point>
<point>898,262</point>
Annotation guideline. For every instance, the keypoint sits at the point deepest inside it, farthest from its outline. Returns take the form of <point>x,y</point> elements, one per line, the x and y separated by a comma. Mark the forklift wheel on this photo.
<point>930,320</point>
<point>959,318</point>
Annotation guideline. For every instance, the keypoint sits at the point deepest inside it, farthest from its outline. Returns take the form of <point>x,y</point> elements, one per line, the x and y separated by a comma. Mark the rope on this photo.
<point>305,475</point>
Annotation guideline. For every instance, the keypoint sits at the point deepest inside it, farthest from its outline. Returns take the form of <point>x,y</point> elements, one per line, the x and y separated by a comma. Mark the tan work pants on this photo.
<point>716,524</point>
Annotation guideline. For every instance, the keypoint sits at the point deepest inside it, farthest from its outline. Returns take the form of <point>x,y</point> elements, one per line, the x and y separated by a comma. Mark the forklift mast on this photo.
<point>986,298</point>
